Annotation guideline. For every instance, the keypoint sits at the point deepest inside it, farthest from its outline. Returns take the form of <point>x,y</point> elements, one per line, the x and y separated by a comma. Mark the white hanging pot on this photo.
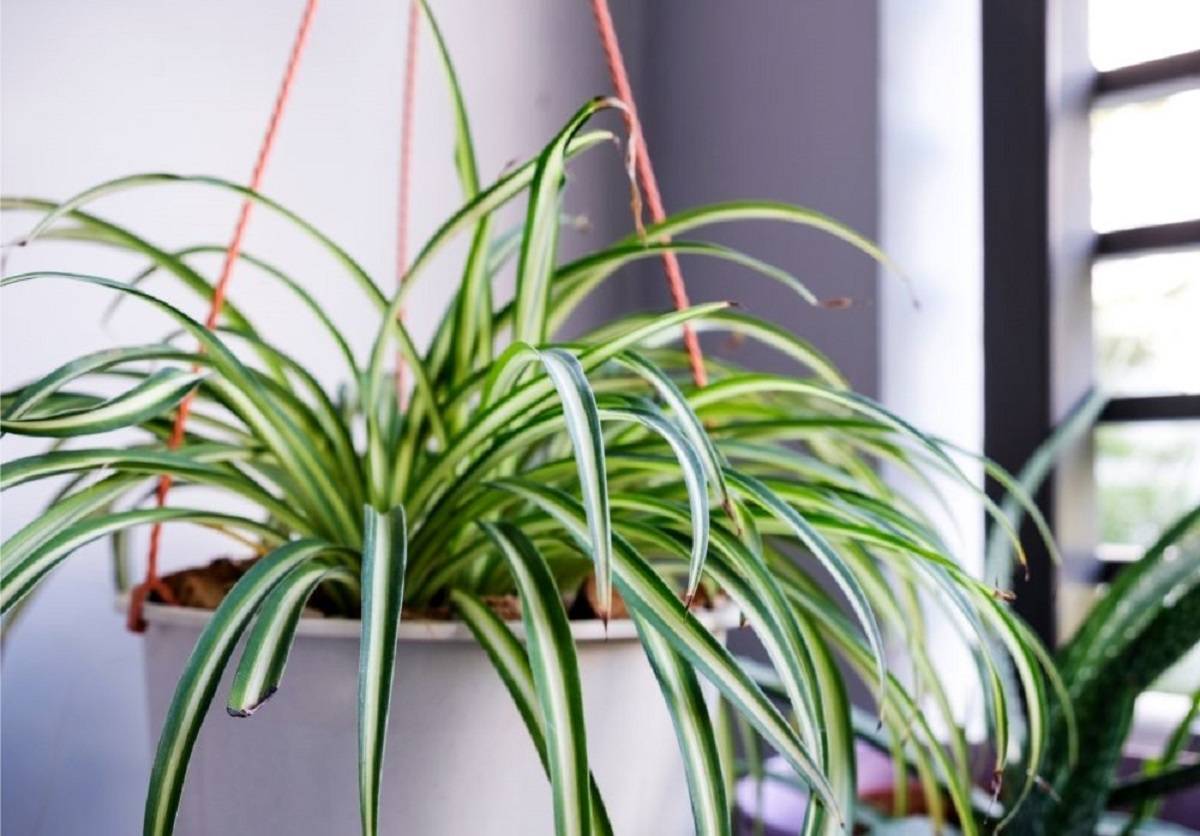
<point>459,760</point>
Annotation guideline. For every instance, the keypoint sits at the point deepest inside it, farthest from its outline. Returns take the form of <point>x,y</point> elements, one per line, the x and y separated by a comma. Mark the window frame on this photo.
<point>1039,89</point>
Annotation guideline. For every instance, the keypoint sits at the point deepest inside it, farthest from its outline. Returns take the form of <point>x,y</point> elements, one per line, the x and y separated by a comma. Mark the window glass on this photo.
<point>1146,317</point>
<point>1145,166</point>
<point>1122,32</point>
<point>1147,476</point>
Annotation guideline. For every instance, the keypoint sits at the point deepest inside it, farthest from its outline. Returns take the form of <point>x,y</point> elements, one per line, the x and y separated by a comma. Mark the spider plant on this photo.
<point>521,464</point>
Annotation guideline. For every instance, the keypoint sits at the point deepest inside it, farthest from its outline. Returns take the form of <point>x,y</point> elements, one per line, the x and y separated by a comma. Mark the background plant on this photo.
<point>1146,621</point>
<point>756,486</point>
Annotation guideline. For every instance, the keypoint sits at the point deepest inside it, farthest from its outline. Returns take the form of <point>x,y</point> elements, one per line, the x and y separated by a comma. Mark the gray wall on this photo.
<point>774,99</point>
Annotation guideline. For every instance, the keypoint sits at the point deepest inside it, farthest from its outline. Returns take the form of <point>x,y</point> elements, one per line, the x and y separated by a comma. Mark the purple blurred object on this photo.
<point>784,803</point>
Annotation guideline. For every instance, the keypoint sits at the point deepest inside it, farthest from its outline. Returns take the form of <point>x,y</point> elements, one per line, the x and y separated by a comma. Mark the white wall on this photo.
<point>931,223</point>
<point>98,90</point>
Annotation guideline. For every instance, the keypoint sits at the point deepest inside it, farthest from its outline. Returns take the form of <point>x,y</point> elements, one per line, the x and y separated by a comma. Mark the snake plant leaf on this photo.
<point>1140,593</point>
<point>644,591</point>
<point>158,393</point>
<point>270,640</point>
<point>555,675</point>
<point>694,730</point>
<point>202,674</point>
<point>511,662</point>
<point>384,561</point>
<point>21,575</point>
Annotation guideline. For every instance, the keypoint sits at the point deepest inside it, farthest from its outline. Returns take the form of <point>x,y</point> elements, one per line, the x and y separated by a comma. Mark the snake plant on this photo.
<point>524,464</point>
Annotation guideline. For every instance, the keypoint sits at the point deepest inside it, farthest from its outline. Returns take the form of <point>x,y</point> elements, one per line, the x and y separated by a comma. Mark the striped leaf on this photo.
<point>202,674</point>
<point>511,662</point>
<point>21,575</point>
<point>644,591</point>
<point>270,641</point>
<point>685,417</point>
<point>582,421</point>
<point>158,393</point>
<point>694,730</point>
<point>540,243</point>
<point>384,560</point>
<point>248,400</point>
<point>694,480</point>
<point>555,675</point>
<point>828,557</point>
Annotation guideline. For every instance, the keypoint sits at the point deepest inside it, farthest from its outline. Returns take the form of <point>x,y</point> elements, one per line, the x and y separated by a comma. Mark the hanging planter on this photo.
<point>506,463</point>
<point>459,759</point>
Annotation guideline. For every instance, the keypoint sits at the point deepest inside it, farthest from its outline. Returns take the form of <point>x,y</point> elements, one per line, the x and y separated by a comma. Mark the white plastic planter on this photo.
<point>458,761</point>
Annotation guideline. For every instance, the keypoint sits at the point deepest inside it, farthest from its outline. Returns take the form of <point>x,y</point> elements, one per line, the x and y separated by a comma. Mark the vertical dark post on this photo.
<point>1017,294</point>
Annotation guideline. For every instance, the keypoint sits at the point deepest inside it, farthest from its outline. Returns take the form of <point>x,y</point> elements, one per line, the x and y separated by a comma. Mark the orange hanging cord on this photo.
<point>645,174</point>
<point>152,582</point>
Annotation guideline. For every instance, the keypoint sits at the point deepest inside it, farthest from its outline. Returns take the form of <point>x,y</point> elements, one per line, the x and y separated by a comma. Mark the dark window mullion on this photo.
<point>1177,235</point>
<point>1152,408</point>
<point>1148,75</point>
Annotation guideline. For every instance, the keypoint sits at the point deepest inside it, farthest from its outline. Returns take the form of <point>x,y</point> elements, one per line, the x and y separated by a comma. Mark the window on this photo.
<point>1145,279</point>
<point>1092,272</point>
<point>1144,130</point>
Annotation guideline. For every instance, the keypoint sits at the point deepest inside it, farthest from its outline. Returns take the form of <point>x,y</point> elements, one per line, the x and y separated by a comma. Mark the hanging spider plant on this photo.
<point>522,465</point>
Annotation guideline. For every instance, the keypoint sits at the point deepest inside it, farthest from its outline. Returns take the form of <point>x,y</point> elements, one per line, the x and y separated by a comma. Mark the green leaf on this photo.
<point>63,512</point>
<point>248,400</point>
<point>583,425</point>
<point>555,675</point>
<point>756,210</point>
<point>694,730</point>
<point>693,477</point>
<point>270,641</point>
<point>997,560</point>
<point>511,662</point>
<point>685,417</point>
<point>158,393</point>
<point>466,446</point>
<point>29,397</point>
<point>202,674</point>
<point>385,558</point>
<point>826,555</point>
<point>539,246</point>
<point>645,592</point>
<point>21,575</point>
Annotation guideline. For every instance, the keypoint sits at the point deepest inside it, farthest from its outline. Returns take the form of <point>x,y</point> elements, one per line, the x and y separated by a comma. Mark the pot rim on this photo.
<point>725,617</point>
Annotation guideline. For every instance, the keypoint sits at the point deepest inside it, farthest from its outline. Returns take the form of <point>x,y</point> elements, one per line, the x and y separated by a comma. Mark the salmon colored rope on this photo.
<point>408,106</point>
<point>645,173</point>
<point>152,582</point>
